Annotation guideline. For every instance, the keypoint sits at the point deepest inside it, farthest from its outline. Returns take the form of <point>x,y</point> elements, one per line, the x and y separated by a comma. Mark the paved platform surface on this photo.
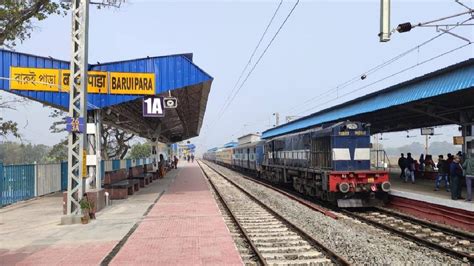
<point>185,227</point>
<point>30,233</point>
<point>423,190</point>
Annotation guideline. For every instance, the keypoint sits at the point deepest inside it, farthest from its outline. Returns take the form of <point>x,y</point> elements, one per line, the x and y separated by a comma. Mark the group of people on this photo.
<point>451,171</point>
<point>189,158</point>
<point>163,164</point>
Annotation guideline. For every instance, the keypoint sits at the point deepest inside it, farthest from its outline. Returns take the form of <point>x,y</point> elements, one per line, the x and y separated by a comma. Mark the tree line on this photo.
<point>26,153</point>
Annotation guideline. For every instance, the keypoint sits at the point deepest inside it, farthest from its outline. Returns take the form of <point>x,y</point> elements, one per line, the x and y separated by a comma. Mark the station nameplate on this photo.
<point>132,83</point>
<point>57,80</point>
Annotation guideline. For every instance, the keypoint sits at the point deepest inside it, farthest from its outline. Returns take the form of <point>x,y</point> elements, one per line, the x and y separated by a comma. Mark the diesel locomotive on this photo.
<point>330,162</point>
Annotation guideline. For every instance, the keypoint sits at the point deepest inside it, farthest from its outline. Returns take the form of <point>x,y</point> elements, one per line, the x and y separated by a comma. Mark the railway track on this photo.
<point>274,239</point>
<point>452,242</point>
<point>455,243</point>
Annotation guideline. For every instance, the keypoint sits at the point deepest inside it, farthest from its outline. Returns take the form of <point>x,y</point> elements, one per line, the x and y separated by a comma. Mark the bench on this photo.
<point>138,173</point>
<point>149,170</point>
<point>118,186</point>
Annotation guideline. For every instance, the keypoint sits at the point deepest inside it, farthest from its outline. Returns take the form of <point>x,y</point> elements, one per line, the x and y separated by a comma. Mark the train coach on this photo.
<point>248,157</point>
<point>330,162</point>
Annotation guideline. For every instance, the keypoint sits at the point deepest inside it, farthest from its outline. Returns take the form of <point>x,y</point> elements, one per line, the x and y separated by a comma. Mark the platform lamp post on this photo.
<point>77,111</point>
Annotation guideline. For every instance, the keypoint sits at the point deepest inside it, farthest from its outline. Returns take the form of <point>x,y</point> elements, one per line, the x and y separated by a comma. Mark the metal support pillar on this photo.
<point>77,105</point>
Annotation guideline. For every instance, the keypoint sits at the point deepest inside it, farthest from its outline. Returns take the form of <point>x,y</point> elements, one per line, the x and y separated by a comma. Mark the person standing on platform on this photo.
<point>456,175</point>
<point>422,163</point>
<point>429,164</point>
<point>176,162</point>
<point>442,173</point>
<point>449,160</point>
<point>402,163</point>
<point>468,166</point>
<point>461,157</point>
<point>411,169</point>
<point>161,166</point>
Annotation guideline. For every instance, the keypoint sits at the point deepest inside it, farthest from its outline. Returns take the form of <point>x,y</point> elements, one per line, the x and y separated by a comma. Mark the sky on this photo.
<point>322,45</point>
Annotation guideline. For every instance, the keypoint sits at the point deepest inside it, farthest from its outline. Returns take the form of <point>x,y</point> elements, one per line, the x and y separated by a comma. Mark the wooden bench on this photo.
<point>149,170</point>
<point>118,186</point>
<point>138,173</point>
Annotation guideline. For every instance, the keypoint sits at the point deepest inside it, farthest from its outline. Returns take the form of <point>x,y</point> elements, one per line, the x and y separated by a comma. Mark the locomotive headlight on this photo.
<point>344,176</point>
<point>386,186</point>
<point>344,187</point>
<point>351,126</point>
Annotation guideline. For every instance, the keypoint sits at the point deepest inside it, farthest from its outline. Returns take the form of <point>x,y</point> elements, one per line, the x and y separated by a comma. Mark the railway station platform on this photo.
<point>185,227</point>
<point>172,221</point>
<point>423,190</point>
<point>421,200</point>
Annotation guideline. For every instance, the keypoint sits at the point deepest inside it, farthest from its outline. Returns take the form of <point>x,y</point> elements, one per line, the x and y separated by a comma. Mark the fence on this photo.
<point>26,181</point>
<point>379,159</point>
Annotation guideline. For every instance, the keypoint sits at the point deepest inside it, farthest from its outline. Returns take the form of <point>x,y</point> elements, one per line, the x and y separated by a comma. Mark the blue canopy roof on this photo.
<point>455,78</point>
<point>176,73</point>
<point>231,144</point>
<point>171,72</point>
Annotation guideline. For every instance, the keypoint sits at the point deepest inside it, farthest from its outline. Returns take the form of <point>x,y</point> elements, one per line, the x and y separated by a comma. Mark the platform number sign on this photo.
<point>153,107</point>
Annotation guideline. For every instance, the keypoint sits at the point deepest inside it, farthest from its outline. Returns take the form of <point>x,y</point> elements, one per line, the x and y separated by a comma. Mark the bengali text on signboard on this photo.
<point>57,80</point>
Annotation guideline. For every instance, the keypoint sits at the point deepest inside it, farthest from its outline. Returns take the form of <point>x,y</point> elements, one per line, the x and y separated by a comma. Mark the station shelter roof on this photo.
<point>442,97</point>
<point>175,74</point>
<point>231,144</point>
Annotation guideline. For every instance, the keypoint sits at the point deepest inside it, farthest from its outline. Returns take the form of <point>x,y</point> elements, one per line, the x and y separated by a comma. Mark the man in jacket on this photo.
<point>442,173</point>
<point>402,163</point>
<point>411,168</point>
<point>468,166</point>
<point>456,176</point>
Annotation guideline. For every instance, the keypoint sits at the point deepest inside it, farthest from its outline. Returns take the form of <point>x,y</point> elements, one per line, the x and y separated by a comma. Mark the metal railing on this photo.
<point>25,181</point>
<point>379,160</point>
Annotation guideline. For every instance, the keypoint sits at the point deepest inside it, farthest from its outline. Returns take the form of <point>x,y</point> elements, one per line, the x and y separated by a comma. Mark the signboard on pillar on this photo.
<point>75,125</point>
<point>153,107</point>
<point>84,164</point>
<point>427,131</point>
<point>458,140</point>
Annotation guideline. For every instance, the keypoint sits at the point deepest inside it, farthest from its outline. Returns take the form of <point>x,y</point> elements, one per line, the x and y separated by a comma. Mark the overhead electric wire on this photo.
<point>378,67</point>
<point>372,70</point>
<point>260,58</point>
<point>387,77</point>
<point>251,57</point>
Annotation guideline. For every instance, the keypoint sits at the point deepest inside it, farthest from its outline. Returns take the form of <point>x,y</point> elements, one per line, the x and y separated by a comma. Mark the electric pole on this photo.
<point>77,109</point>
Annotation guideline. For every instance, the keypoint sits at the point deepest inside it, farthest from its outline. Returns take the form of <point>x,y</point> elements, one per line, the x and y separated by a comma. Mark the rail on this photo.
<point>456,244</point>
<point>329,253</point>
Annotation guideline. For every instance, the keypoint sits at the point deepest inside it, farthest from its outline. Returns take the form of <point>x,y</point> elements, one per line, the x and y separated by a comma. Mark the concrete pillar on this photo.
<point>468,135</point>
<point>93,157</point>
<point>155,156</point>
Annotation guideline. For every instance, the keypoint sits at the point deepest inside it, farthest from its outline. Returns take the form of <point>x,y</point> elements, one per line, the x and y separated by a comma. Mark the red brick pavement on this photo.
<point>80,254</point>
<point>185,227</point>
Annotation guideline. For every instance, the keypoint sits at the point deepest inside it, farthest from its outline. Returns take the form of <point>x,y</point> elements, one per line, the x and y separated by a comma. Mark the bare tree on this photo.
<point>115,142</point>
<point>9,127</point>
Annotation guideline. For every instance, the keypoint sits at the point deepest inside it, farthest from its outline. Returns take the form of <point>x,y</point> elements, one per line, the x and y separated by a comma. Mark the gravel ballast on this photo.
<point>358,242</point>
